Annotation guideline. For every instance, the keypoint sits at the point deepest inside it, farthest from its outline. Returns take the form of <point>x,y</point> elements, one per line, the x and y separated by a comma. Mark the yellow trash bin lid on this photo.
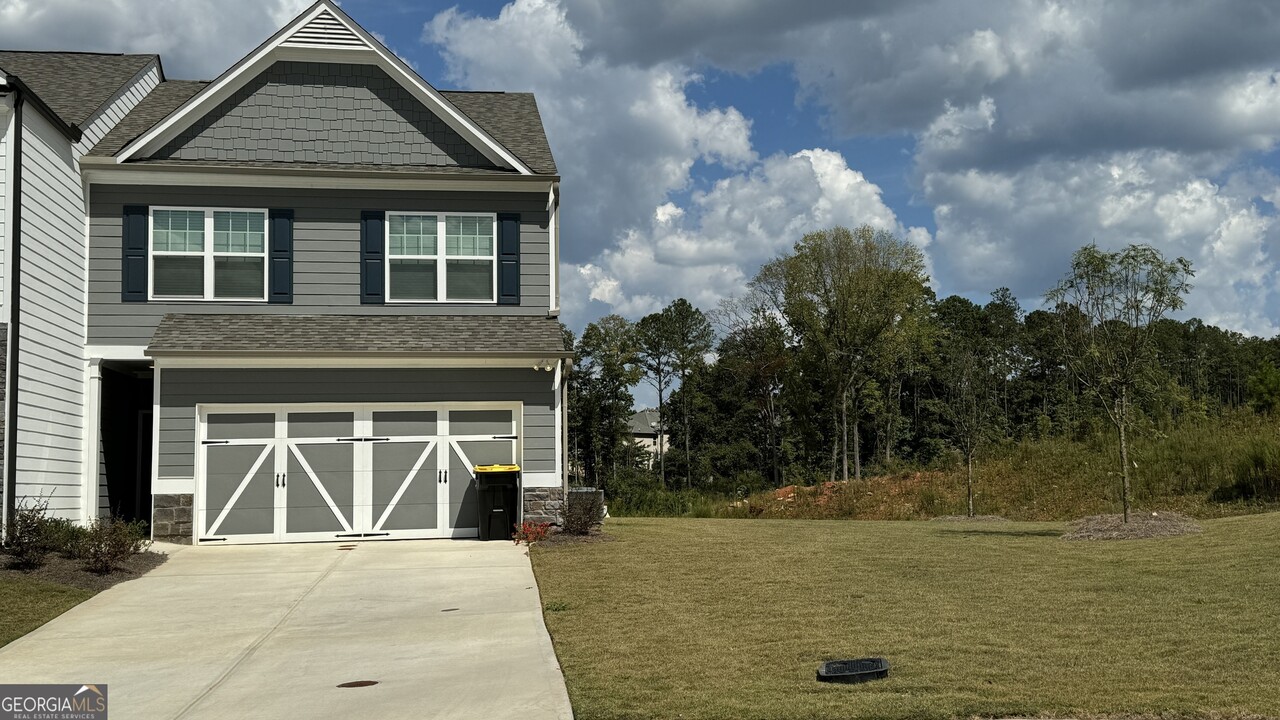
<point>497,468</point>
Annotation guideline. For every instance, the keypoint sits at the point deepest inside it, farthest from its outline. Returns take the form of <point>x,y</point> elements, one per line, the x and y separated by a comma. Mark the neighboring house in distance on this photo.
<point>302,302</point>
<point>644,431</point>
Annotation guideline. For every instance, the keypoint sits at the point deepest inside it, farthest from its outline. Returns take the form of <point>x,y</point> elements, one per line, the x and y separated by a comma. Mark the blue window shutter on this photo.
<point>509,259</point>
<point>372,248</point>
<point>280,256</point>
<point>133,260</point>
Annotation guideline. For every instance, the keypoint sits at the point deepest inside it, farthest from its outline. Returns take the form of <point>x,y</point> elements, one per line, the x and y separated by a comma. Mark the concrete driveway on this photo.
<point>447,629</point>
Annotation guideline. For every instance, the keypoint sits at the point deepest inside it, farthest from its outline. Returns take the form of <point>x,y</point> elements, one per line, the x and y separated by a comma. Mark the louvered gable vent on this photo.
<point>324,30</point>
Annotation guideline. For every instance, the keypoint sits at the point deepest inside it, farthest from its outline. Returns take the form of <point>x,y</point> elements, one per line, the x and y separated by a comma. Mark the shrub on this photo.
<point>109,541</point>
<point>583,510</point>
<point>67,537</point>
<point>529,532</point>
<point>31,537</point>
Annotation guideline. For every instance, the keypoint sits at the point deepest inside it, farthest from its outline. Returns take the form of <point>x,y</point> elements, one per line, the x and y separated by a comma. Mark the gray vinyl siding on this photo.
<point>182,389</point>
<point>323,113</point>
<point>50,459</point>
<point>326,252</point>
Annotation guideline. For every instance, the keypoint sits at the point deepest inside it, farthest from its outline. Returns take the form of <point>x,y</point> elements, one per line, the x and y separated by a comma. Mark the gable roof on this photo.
<point>511,118</point>
<point>644,423</point>
<point>74,85</point>
<point>442,335</point>
<point>324,28</point>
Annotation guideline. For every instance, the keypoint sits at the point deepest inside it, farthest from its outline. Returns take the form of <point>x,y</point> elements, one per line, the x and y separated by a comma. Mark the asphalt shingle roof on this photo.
<point>74,85</point>
<point>447,335</point>
<point>511,118</point>
<point>156,106</point>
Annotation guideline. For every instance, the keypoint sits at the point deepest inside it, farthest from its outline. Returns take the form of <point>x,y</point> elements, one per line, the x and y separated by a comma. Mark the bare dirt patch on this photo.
<point>72,573</point>
<point>1142,525</point>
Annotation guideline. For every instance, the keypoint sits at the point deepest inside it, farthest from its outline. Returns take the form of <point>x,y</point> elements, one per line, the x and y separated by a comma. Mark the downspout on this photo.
<point>13,310</point>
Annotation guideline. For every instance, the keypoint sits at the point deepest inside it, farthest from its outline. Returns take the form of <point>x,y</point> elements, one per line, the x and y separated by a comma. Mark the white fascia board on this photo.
<point>271,51</point>
<point>285,361</point>
<point>107,172</point>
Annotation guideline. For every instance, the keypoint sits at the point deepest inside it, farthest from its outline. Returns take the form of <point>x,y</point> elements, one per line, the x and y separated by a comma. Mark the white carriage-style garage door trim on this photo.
<point>339,472</point>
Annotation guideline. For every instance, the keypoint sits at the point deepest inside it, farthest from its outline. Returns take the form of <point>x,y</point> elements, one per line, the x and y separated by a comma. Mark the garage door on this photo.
<point>272,474</point>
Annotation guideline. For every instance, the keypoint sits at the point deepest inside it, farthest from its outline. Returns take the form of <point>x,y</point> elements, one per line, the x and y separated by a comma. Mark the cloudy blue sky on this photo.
<point>699,139</point>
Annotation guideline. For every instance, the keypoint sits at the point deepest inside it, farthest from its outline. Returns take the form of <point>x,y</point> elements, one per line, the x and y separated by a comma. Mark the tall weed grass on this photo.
<point>1216,467</point>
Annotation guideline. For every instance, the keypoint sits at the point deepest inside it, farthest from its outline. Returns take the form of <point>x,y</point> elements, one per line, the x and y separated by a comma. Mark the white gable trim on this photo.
<point>303,40</point>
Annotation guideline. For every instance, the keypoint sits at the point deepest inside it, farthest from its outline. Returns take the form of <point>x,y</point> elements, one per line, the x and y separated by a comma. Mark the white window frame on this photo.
<point>207,253</point>
<point>440,257</point>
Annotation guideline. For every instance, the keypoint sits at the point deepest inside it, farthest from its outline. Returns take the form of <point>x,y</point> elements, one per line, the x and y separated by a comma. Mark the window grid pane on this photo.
<point>468,235</point>
<point>239,232</point>
<point>412,235</point>
<point>177,230</point>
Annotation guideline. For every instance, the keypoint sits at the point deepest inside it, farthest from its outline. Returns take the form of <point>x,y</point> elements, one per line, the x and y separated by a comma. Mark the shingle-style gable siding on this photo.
<point>323,113</point>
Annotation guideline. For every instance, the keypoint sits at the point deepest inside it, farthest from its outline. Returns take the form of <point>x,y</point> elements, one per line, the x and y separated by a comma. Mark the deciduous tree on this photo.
<point>1108,306</point>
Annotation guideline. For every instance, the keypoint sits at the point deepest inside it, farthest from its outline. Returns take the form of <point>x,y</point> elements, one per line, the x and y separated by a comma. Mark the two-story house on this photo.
<point>299,302</point>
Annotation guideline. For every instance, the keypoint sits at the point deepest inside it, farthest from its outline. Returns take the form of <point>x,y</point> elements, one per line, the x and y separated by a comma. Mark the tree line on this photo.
<point>839,357</point>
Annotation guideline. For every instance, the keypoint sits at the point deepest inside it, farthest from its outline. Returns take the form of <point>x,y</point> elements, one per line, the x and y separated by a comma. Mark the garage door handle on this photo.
<point>277,479</point>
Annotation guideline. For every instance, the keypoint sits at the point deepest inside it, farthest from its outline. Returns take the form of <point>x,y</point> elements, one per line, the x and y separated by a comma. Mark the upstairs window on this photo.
<point>441,257</point>
<point>199,254</point>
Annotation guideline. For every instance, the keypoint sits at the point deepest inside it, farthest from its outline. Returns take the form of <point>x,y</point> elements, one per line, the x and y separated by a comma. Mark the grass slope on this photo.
<point>26,604</point>
<point>690,618</point>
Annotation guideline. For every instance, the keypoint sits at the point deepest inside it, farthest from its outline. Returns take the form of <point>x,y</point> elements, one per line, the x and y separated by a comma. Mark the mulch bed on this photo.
<point>65,571</point>
<point>561,538</point>
<point>1142,525</point>
<point>975,518</point>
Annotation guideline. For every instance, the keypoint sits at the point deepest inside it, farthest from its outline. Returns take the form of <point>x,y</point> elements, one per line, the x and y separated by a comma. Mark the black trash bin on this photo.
<point>499,491</point>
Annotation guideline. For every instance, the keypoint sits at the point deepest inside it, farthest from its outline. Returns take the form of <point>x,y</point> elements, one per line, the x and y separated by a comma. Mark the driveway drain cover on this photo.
<point>358,683</point>
<point>853,671</point>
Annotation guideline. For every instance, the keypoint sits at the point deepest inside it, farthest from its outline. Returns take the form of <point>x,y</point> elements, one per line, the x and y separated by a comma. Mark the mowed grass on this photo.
<point>716,618</point>
<point>26,604</point>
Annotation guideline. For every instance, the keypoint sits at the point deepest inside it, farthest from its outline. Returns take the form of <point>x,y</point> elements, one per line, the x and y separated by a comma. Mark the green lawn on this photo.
<point>687,618</point>
<point>26,604</point>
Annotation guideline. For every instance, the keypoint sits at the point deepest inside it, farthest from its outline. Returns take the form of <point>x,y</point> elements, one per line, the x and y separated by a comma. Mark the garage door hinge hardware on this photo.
<point>212,539</point>
<point>361,535</point>
<point>214,442</point>
<point>363,439</point>
<point>505,437</point>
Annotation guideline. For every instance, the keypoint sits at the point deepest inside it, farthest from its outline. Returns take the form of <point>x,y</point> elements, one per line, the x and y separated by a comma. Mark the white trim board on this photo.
<point>117,352</point>
<point>273,49</point>
<point>250,361</point>
<point>108,173</point>
<point>173,486</point>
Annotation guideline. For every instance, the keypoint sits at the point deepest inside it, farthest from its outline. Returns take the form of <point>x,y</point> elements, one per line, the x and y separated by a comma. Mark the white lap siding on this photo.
<point>51,458</point>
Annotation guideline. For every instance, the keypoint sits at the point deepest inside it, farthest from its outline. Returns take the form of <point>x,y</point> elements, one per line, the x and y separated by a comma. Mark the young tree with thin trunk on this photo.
<point>692,338</point>
<point>1108,309</point>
